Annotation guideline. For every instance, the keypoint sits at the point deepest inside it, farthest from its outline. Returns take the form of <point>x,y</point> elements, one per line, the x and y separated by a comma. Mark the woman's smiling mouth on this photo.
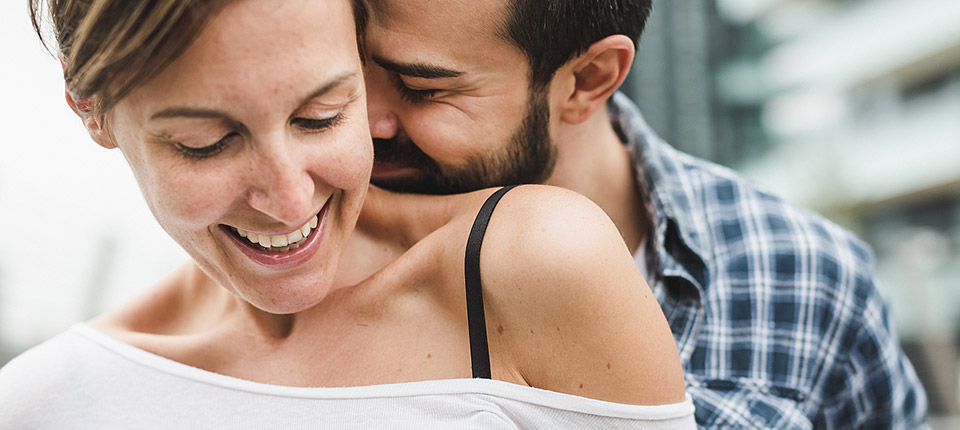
<point>280,243</point>
<point>281,251</point>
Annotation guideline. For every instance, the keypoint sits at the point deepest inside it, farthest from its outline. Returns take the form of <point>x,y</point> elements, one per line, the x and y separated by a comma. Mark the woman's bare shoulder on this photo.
<point>169,307</point>
<point>570,306</point>
<point>554,231</point>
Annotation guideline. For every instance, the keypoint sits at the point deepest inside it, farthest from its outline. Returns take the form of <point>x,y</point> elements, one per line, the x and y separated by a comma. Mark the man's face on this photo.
<point>450,104</point>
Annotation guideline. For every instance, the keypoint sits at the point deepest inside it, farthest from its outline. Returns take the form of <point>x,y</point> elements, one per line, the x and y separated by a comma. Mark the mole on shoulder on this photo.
<point>500,329</point>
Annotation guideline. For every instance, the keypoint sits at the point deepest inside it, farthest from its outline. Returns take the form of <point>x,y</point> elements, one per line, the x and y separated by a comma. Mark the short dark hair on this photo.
<point>551,32</point>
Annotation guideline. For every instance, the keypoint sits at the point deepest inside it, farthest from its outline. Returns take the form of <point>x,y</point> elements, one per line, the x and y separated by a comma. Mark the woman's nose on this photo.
<point>282,185</point>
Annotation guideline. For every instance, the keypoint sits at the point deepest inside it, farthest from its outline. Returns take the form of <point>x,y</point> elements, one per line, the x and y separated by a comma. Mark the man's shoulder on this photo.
<point>763,251</point>
<point>734,219</point>
<point>789,313</point>
<point>787,286</point>
<point>727,219</point>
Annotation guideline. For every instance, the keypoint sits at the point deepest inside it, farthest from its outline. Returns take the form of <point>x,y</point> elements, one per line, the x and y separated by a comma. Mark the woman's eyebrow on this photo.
<point>329,86</point>
<point>188,112</point>
<point>185,112</point>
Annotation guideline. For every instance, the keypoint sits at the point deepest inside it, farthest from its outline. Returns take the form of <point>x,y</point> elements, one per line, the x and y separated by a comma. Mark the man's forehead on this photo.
<point>440,18</point>
<point>459,35</point>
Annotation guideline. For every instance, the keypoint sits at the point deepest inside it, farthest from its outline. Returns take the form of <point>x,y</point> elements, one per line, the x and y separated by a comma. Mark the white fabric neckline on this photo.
<point>404,389</point>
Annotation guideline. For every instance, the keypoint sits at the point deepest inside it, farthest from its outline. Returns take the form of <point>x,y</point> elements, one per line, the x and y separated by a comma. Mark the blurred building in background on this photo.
<point>848,107</point>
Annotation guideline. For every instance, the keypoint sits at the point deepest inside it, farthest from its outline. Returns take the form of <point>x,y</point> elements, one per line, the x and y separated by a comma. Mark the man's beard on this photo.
<point>528,159</point>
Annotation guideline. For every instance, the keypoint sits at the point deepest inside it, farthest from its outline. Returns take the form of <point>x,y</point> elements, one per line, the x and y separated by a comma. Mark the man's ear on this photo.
<point>594,76</point>
<point>94,124</point>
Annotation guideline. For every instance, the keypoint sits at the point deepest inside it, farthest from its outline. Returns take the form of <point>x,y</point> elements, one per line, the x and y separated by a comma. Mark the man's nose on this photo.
<point>382,102</point>
<point>383,125</point>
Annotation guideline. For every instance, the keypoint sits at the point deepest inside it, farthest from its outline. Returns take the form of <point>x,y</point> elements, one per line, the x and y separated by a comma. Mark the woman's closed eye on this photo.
<point>207,151</point>
<point>312,124</point>
<point>202,152</point>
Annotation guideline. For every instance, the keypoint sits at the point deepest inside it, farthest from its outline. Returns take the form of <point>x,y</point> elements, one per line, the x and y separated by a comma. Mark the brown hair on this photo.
<point>110,47</point>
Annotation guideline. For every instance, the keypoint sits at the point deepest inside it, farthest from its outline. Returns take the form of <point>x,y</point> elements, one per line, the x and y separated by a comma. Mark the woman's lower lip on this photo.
<point>289,259</point>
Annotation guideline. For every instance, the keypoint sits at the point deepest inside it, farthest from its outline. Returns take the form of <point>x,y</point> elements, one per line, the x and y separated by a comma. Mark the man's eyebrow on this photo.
<point>417,70</point>
<point>187,112</point>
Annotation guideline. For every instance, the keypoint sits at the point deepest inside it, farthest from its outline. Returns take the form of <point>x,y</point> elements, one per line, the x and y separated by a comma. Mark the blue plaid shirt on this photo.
<point>775,310</point>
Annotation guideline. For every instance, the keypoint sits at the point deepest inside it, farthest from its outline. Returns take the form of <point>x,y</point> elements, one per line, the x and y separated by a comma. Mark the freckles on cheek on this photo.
<point>188,204</point>
<point>350,167</point>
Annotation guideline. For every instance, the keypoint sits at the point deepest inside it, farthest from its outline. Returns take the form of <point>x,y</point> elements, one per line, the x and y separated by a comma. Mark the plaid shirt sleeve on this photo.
<point>854,374</point>
<point>778,319</point>
<point>870,384</point>
<point>791,331</point>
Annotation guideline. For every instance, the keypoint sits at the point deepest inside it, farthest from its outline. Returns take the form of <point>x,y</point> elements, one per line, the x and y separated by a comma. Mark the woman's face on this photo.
<point>258,133</point>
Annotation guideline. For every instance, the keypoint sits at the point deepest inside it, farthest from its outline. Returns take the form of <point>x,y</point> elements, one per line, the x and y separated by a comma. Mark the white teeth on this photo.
<point>280,243</point>
<point>295,236</point>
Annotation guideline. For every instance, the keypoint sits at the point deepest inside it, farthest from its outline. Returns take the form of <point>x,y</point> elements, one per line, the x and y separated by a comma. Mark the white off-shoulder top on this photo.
<point>84,379</point>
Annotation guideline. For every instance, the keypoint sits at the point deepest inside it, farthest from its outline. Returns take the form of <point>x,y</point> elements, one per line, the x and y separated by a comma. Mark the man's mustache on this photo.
<point>400,150</point>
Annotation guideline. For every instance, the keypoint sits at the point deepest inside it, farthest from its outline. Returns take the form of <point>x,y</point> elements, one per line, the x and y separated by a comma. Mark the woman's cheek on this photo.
<point>190,201</point>
<point>350,167</point>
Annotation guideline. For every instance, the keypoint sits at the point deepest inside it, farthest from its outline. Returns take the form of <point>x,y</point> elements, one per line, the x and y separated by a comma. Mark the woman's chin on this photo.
<point>272,290</point>
<point>287,300</point>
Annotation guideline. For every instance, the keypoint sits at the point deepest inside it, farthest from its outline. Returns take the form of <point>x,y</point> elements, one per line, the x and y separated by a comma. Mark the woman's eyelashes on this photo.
<point>307,124</point>
<point>200,153</point>
<point>312,124</point>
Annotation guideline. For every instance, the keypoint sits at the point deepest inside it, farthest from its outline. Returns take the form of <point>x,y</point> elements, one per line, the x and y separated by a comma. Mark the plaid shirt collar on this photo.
<point>676,247</point>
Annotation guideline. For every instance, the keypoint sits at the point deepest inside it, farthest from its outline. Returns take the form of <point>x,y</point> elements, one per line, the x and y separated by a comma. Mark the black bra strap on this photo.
<point>479,351</point>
